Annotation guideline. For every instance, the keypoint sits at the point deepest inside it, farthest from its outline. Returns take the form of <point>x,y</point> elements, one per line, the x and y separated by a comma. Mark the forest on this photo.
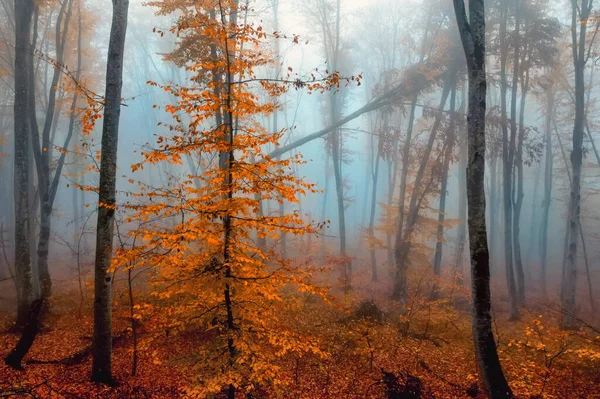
<point>255,199</point>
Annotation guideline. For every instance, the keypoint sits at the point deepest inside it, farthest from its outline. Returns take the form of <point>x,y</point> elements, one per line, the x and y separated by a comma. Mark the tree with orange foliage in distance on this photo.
<point>211,275</point>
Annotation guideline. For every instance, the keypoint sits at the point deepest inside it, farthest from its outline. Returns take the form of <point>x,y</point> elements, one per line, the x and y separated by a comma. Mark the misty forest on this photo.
<point>317,199</point>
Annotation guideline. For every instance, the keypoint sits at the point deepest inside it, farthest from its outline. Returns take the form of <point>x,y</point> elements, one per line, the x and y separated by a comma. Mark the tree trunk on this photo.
<point>516,155</point>
<point>392,175</point>
<point>43,157</point>
<point>374,204</point>
<point>492,212</point>
<point>102,339</point>
<point>403,245</point>
<point>473,38</point>
<point>548,175</point>
<point>275,6</point>
<point>28,335</point>
<point>23,14</point>
<point>336,158</point>
<point>507,156</point>
<point>449,146</point>
<point>579,61</point>
<point>461,235</point>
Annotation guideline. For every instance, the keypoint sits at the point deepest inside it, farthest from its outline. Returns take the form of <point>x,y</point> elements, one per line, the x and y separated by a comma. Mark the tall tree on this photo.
<point>417,195</point>
<point>25,294</point>
<point>515,160</point>
<point>579,17</point>
<point>449,146</point>
<point>548,175</point>
<point>102,340</point>
<point>472,33</point>
<point>507,157</point>
<point>48,184</point>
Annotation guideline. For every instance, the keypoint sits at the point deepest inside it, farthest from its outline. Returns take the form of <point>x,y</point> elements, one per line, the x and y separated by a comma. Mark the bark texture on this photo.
<point>102,341</point>
<point>580,14</point>
<point>23,14</point>
<point>472,33</point>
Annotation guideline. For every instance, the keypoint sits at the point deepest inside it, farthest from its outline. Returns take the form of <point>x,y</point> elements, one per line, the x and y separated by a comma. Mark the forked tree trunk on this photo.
<point>48,184</point>
<point>472,33</point>
<point>403,244</point>
<point>102,339</point>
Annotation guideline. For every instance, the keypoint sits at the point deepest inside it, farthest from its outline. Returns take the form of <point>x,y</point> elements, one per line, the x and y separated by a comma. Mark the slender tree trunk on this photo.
<point>587,270</point>
<point>548,175</point>
<point>393,174</point>
<point>507,156</point>
<point>23,14</point>
<point>275,7</point>
<point>493,206</point>
<point>449,146</point>
<point>324,203</point>
<point>579,61</point>
<point>461,235</point>
<point>336,157</point>
<point>399,274</point>
<point>567,231</point>
<point>375,177</point>
<point>102,339</point>
<point>473,38</point>
<point>43,153</point>
<point>403,244</point>
<point>515,154</point>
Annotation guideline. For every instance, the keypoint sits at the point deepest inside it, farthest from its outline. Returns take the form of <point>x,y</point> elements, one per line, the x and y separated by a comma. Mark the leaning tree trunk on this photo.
<point>472,35</point>
<point>403,244</point>
<point>102,340</point>
<point>23,14</point>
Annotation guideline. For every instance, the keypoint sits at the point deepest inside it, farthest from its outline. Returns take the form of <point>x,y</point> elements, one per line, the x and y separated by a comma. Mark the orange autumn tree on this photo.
<point>203,231</point>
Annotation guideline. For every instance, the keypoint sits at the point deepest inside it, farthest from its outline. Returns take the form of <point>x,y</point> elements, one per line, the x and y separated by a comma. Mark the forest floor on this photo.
<point>426,350</point>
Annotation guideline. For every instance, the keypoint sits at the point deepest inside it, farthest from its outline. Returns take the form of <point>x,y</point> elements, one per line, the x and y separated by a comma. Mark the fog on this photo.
<point>400,77</point>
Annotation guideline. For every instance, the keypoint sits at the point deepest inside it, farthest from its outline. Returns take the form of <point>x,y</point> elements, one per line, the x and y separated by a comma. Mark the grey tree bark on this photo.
<point>507,157</point>
<point>47,184</point>
<point>102,339</point>
<point>461,234</point>
<point>23,14</point>
<point>472,33</point>
<point>516,155</point>
<point>580,15</point>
